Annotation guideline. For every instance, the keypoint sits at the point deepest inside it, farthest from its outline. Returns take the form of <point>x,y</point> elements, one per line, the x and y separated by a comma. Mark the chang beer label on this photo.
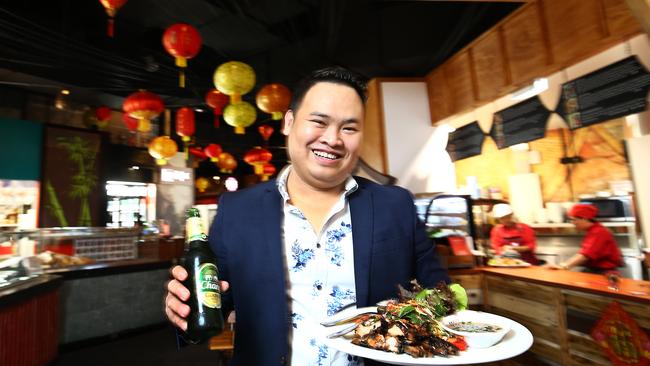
<point>208,286</point>
<point>194,229</point>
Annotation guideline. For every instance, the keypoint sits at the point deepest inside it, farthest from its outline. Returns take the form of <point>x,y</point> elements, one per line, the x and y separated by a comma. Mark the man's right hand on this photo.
<point>175,307</point>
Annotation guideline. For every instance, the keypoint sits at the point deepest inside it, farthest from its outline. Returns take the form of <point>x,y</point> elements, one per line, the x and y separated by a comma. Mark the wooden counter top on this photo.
<point>629,289</point>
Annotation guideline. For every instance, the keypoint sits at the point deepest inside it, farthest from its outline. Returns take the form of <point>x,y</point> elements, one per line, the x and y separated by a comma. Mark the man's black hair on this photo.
<point>333,74</point>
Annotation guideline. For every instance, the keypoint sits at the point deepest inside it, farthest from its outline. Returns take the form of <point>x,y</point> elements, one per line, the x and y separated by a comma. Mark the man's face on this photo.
<point>324,134</point>
<point>580,223</point>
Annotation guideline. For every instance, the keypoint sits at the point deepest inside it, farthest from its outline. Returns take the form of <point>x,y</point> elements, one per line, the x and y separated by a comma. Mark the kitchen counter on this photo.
<point>559,307</point>
<point>29,318</point>
<point>629,289</point>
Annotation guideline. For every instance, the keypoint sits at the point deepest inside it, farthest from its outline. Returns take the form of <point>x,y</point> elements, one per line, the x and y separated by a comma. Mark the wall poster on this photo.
<point>71,193</point>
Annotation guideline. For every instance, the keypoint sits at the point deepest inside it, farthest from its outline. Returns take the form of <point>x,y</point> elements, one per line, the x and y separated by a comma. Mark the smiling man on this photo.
<point>294,251</point>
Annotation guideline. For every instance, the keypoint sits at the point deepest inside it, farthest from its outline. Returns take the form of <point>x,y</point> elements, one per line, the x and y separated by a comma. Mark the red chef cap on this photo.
<point>583,211</point>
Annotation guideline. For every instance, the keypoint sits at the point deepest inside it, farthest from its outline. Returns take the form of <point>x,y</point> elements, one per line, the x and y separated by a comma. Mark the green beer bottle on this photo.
<point>205,319</point>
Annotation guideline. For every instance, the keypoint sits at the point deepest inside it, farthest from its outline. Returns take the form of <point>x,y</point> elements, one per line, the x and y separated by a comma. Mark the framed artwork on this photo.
<point>71,191</point>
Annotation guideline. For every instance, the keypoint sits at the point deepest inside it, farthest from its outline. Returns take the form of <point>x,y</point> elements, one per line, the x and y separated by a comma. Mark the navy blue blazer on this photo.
<point>390,248</point>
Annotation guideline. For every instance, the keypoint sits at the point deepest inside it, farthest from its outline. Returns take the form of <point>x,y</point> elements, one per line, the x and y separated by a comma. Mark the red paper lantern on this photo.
<point>268,170</point>
<point>112,6</point>
<point>103,113</point>
<point>144,106</point>
<point>130,122</point>
<point>198,152</point>
<point>226,163</point>
<point>257,157</point>
<point>183,42</point>
<point>213,151</point>
<point>185,123</point>
<point>274,99</point>
<point>217,101</point>
<point>266,131</point>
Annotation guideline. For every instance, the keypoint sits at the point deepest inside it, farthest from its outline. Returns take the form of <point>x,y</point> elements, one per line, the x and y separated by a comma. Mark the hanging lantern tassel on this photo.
<point>111,27</point>
<point>111,7</point>
<point>181,62</point>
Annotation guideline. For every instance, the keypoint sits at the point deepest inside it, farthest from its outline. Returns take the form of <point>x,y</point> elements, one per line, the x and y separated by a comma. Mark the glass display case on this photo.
<point>96,243</point>
<point>445,214</point>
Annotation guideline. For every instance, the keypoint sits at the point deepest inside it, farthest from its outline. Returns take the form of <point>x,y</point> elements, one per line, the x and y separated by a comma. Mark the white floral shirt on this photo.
<point>320,275</point>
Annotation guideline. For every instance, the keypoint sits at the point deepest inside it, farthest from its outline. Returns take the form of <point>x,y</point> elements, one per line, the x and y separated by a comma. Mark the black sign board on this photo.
<point>523,122</point>
<point>614,91</point>
<point>465,142</point>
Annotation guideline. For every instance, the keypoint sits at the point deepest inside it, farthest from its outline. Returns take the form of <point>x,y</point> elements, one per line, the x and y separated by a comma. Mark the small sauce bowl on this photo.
<point>480,330</point>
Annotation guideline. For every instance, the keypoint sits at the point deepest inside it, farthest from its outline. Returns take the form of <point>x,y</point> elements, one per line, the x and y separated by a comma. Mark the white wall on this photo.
<point>416,150</point>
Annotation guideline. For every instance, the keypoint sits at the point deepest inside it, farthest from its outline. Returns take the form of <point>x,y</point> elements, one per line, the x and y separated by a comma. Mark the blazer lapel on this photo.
<point>271,235</point>
<point>361,211</point>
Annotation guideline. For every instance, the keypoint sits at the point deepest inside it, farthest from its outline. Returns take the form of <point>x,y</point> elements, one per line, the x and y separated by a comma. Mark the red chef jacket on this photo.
<point>520,235</point>
<point>601,249</point>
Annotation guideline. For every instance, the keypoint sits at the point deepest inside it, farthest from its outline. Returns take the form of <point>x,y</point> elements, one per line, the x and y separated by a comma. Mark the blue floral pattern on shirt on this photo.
<point>333,250</point>
<point>336,300</point>
<point>300,256</point>
<point>315,287</point>
<point>295,319</point>
<point>322,352</point>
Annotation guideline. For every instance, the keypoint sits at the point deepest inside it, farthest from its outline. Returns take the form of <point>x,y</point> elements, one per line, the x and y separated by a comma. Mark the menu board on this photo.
<point>614,91</point>
<point>465,142</point>
<point>523,122</point>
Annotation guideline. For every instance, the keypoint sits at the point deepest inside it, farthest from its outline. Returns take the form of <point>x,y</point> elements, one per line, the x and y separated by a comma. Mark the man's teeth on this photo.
<point>325,155</point>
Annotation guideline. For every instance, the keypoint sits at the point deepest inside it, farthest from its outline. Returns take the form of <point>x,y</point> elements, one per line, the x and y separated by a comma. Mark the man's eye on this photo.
<point>317,121</point>
<point>350,129</point>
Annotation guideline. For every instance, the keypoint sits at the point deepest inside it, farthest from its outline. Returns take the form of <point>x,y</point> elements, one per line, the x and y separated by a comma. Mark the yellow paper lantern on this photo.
<point>234,78</point>
<point>240,115</point>
<point>162,148</point>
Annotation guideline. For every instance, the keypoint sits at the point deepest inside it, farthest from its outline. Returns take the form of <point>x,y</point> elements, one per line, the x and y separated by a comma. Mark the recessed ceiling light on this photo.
<point>65,91</point>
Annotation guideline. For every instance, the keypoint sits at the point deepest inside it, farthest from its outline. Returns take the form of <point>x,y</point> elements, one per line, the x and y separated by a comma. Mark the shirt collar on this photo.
<point>351,184</point>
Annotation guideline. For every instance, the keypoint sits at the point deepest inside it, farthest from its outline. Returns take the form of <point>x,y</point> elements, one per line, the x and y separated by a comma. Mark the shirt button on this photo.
<point>317,245</point>
<point>319,287</point>
<point>349,358</point>
<point>283,360</point>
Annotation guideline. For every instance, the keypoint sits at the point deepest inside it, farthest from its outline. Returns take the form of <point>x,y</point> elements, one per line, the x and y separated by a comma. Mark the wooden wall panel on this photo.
<point>575,28</point>
<point>526,51</point>
<point>489,66</point>
<point>458,73</point>
<point>620,21</point>
<point>373,149</point>
<point>438,95</point>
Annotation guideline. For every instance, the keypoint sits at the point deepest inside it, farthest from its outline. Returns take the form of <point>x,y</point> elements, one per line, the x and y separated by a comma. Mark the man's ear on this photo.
<point>288,122</point>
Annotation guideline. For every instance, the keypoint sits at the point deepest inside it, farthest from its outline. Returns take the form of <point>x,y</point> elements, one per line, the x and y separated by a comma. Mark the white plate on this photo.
<point>516,342</point>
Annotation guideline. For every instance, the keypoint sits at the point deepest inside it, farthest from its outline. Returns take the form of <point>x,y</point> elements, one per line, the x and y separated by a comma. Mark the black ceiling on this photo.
<point>65,41</point>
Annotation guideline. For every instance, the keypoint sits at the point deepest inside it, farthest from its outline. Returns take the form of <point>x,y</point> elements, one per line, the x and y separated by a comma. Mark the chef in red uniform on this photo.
<point>509,235</point>
<point>599,252</point>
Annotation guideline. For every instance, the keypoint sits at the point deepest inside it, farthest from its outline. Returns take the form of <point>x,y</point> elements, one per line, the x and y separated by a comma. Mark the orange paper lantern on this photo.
<point>112,6</point>
<point>183,42</point>
<point>162,148</point>
<point>257,157</point>
<point>217,101</point>
<point>213,151</point>
<point>202,183</point>
<point>274,99</point>
<point>226,163</point>
<point>144,106</point>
